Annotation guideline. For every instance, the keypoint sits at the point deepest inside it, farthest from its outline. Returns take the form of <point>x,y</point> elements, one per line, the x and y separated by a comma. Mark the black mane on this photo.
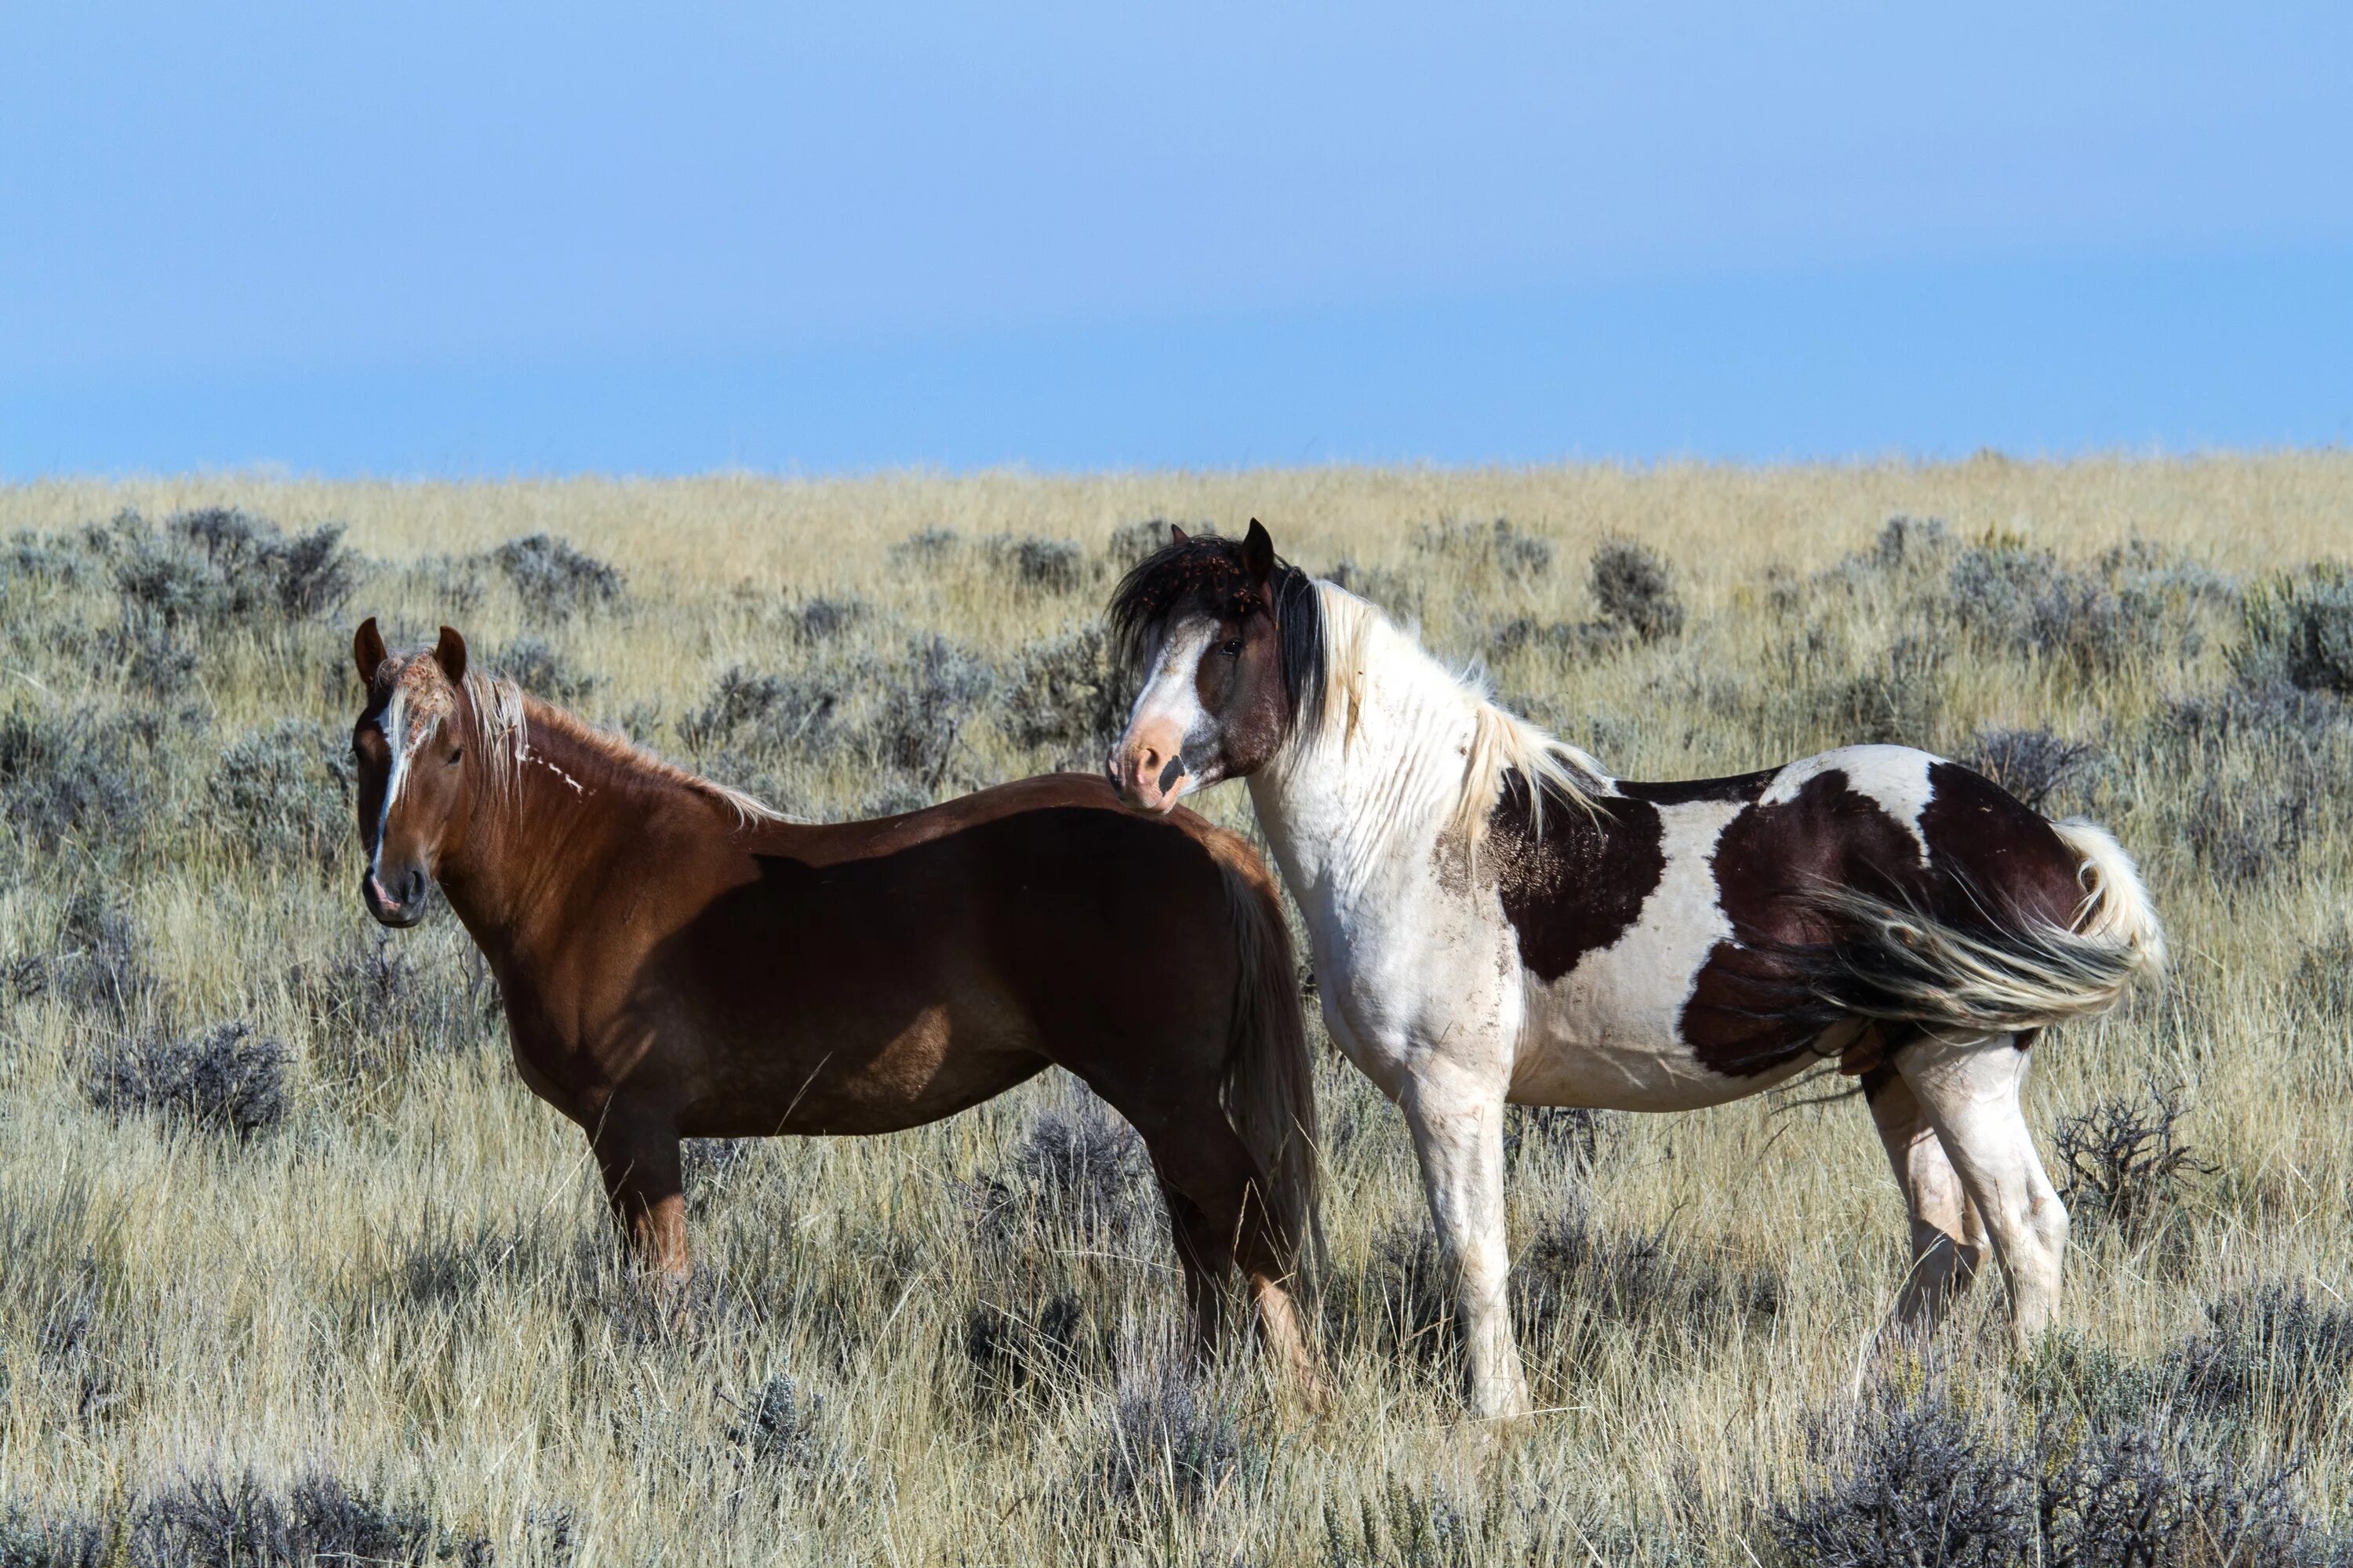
<point>1205,573</point>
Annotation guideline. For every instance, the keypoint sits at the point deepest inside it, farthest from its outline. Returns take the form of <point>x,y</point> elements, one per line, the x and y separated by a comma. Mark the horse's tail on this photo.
<point>1899,963</point>
<point>1269,1080</point>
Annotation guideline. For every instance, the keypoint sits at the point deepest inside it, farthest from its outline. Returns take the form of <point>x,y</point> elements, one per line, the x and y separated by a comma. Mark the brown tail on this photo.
<point>1269,1083</point>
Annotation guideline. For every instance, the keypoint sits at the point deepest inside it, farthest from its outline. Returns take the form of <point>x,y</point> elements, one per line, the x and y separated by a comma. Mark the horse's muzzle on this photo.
<point>398,906</point>
<point>1147,778</point>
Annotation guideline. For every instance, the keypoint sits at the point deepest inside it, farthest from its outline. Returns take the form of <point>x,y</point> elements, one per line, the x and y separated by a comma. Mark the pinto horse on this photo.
<point>1495,919</point>
<point>678,961</point>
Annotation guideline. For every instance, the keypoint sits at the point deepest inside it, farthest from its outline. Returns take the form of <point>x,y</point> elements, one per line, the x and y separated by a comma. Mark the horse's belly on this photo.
<point>942,1061</point>
<point>1618,1073</point>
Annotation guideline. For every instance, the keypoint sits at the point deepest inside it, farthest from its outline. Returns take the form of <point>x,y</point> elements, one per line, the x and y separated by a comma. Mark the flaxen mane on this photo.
<point>503,719</point>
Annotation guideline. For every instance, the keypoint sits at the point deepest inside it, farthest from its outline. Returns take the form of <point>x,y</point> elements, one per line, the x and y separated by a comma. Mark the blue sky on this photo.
<point>435,240</point>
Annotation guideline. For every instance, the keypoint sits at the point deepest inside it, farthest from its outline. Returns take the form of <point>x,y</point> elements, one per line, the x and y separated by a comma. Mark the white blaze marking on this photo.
<point>1172,692</point>
<point>1896,776</point>
<point>394,723</point>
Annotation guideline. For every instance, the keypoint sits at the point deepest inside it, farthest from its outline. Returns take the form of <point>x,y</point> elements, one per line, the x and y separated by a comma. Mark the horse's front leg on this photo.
<point>1458,1132</point>
<point>639,1156</point>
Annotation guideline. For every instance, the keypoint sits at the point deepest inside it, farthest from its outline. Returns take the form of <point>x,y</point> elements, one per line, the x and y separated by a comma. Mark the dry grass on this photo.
<point>407,1281</point>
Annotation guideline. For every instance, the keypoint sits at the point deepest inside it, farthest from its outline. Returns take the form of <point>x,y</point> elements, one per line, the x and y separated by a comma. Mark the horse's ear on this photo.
<point>367,651</point>
<point>1258,552</point>
<point>1177,535</point>
<point>450,654</point>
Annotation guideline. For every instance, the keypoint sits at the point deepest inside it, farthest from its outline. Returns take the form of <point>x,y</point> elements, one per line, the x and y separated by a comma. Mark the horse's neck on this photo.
<point>1353,811</point>
<point>548,827</point>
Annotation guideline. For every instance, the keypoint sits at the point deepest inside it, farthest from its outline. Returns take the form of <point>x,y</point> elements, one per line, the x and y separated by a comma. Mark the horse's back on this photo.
<point>894,971</point>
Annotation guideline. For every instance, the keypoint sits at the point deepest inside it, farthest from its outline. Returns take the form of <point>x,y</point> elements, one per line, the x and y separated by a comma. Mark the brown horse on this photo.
<point>678,961</point>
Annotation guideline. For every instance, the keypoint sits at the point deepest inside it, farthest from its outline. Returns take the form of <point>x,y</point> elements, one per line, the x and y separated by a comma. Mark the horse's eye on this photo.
<point>455,755</point>
<point>1233,648</point>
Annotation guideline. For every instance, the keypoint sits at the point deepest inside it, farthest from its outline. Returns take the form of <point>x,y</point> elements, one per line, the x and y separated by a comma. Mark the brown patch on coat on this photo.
<point>1577,885</point>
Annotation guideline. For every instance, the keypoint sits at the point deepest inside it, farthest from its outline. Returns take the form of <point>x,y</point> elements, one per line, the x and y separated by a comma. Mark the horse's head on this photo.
<point>1224,637</point>
<point>410,751</point>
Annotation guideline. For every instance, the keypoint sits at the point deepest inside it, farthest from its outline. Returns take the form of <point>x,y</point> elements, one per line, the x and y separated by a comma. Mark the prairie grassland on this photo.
<point>337,1283</point>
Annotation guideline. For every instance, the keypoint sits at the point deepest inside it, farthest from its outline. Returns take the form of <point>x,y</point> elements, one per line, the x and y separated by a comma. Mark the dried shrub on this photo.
<point>1558,1136</point>
<point>921,708</point>
<point>214,1521</point>
<point>821,619</point>
<point>1400,593</point>
<point>44,557</point>
<point>2301,631</point>
<point>542,669</point>
<point>303,575</point>
<point>1898,700</point>
<point>54,1540</point>
<point>1049,566</point>
<point>2123,1163</point>
<point>1497,547</point>
<point>73,775</point>
<point>1132,543</point>
<point>219,567</point>
<point>776,1428</point>
<point>554,580</point>
<point>1565,639</point>
<point>1574,1271</point>
<point>285,792</point>
<point>1906,542</point>
<point>1924,1481</point>
<point>2323,975</point>
<point>226,1081</point>
<point>98,965</point>
<point>1634,590</point>
<point>456,585</point>
<point>1079,1171</point>
<point>376,1010</point>
<point>2274,1351</point>
<point>2032,764</point>
<point>928,547</point>
<point>769,718</point>
<point>1063,696</point>
<point>2270,712</point>
<point>2247,830</point>
<point>1167,1442</point>
<point>2015,597</point>
<point>1017,1353</point>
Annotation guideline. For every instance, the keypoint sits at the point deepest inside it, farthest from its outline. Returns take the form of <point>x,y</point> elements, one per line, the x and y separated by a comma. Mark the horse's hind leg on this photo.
<point>1947,1236</point>
<point>1206,1254</point>
<point>1969,1089</point>
<point>1223,1221</point>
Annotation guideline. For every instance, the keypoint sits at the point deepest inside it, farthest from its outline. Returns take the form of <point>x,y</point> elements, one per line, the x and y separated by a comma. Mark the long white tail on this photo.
<point>2117,907</point>
<point>1904,964</point>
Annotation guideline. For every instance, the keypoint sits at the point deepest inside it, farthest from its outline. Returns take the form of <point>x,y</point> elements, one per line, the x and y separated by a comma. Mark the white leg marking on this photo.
<point>1458,1132</point>
<point>1947,1236</point>
<point>1969,1090</point>
<point>1896,776</point>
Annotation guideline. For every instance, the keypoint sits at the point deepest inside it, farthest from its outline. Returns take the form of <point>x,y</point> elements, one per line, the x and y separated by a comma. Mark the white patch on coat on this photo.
<point>1609,1032</point>
<point>1896,777</point>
